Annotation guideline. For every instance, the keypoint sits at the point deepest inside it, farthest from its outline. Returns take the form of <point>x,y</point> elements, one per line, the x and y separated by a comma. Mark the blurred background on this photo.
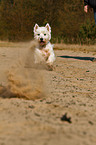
<point>69,22</point>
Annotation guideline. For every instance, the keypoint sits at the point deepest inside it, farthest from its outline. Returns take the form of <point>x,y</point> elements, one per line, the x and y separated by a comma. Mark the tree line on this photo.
<point>67,19</point>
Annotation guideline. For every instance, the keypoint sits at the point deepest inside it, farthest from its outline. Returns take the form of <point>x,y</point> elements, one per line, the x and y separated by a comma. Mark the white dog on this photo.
<point>44,51</point>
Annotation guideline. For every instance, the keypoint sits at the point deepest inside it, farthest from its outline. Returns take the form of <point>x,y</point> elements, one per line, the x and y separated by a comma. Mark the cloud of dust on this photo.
<point>25,79</point>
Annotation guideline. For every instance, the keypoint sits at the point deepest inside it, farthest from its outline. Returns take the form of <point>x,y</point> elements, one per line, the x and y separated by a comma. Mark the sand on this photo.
<point>33,100</point>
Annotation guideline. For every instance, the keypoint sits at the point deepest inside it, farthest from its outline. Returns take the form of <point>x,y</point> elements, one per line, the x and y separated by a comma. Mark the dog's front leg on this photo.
<point>51,60</point>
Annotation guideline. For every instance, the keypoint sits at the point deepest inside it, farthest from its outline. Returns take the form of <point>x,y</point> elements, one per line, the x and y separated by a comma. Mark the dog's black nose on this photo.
<point>41,39</point>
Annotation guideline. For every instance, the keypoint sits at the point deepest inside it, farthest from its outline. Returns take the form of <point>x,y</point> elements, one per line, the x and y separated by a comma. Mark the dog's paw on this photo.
<point>50,67</point>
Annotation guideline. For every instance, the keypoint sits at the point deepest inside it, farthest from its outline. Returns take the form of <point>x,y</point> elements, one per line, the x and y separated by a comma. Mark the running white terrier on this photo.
<point>44,51</point>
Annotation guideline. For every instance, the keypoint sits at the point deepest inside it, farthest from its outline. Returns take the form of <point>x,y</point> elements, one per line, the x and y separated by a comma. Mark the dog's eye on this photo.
<point>44,34</point>
<point>38,34</point>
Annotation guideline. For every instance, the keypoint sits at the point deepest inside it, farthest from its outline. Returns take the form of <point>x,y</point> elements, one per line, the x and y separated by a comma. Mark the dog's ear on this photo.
<point>48,27</point>
<point>36,27</point>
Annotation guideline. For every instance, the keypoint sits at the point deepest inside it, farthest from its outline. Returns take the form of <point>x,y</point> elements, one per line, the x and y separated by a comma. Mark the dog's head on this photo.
<point>42,34</point>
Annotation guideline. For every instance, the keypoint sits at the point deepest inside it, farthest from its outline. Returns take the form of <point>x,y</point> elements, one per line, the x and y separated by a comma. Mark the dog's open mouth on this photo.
<point>42,42</point>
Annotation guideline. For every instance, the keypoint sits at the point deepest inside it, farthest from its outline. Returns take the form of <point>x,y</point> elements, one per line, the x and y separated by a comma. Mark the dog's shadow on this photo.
<point>78,57</point>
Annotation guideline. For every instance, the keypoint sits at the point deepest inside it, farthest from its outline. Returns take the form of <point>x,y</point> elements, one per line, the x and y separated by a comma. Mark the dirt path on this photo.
<point>71,89</point>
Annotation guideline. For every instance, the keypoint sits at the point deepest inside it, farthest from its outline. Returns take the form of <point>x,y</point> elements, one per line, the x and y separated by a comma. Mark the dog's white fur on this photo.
<point>44,51</point>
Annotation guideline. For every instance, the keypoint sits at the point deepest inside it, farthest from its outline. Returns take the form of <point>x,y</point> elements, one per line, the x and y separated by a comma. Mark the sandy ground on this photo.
<point>70,88</point>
